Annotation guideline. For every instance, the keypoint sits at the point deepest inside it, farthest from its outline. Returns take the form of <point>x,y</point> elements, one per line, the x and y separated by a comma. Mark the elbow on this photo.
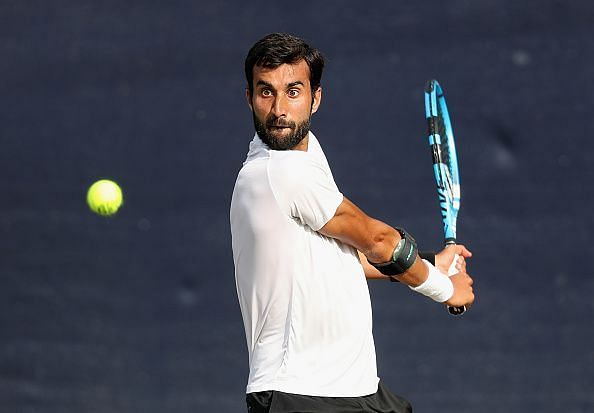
<point>383,242</point>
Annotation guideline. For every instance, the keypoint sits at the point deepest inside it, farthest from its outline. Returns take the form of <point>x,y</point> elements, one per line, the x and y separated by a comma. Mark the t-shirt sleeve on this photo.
<point>305,191</point>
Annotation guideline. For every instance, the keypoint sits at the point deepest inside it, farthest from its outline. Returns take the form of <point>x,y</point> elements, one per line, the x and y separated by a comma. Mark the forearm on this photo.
<point>374,239</point>
<point>371,273</point>
<point>414,277</point>
<point>405,265</point>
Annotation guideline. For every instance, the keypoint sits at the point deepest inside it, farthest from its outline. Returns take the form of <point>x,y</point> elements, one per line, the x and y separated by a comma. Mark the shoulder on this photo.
<point>303,188</point>
<point>294,169</point>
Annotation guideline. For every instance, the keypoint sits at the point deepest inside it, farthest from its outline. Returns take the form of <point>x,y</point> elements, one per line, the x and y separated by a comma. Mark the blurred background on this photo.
<point>138,312</point>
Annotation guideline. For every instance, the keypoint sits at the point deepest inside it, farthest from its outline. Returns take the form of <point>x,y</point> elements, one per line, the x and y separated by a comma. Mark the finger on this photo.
<point>463,251</point>
<point>461,264</point>
<point>453,266</point>
<point>470,301</point>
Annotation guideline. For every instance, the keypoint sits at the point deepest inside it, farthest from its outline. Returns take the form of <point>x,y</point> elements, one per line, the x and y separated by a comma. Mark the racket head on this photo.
<point>445,159</point>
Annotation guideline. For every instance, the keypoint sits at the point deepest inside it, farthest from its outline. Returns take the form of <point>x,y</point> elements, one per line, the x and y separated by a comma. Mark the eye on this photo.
<point>293,93</point>
<point>266,92</point>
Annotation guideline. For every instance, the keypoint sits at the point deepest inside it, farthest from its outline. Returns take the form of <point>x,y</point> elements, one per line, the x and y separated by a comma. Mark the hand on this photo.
<point>445,258</point>
<point>463,293</point>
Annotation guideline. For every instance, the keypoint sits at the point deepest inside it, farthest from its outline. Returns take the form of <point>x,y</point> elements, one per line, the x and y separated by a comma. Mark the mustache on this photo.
<point>280,123</point>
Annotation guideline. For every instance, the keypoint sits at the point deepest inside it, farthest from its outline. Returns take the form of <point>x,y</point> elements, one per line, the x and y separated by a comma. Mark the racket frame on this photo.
<point>445,165</point>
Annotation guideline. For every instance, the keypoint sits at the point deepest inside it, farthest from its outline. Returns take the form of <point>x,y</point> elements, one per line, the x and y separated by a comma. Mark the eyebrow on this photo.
<point>289,85</point>
<point>263,83</point>
<point>293,84</point>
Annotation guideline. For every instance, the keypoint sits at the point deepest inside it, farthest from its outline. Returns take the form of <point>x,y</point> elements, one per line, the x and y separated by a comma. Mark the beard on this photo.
<point>298,131</point>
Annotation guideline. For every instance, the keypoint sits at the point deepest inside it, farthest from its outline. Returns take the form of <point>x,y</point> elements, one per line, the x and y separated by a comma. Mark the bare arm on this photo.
<point>371,273</point>
<point>373,238</point>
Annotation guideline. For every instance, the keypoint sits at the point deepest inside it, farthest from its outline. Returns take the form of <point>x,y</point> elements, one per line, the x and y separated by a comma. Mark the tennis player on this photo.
<point>302,252</point>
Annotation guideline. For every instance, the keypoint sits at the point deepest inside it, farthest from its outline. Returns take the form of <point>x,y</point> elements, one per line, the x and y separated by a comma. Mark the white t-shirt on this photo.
<point>303,296</point>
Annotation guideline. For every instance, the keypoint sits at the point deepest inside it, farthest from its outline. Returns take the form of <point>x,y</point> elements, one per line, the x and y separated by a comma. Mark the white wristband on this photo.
<point>437,286</point>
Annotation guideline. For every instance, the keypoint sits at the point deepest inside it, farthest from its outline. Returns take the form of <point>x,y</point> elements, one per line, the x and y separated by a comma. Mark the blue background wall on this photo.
<point>139,312</point>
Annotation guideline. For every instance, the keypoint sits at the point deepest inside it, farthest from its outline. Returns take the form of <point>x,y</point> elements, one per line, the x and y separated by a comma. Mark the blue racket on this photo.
<point>445,163</point>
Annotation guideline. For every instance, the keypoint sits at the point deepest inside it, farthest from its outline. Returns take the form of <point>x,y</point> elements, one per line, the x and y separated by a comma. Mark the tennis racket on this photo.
<point>445,164</point>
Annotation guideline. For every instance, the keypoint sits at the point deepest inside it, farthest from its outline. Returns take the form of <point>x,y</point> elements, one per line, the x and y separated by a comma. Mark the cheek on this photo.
<point>260,112</point>
<point>304,109</point>
<point>299,105</point>
<point>261,106</point>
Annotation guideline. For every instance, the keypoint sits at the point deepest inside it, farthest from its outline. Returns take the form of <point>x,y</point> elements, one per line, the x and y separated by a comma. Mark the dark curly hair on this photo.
<point>276,49</point>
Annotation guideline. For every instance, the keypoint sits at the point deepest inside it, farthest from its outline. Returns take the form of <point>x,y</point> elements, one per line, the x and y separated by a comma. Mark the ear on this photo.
<point>248,98</point>
<point>317,99</point>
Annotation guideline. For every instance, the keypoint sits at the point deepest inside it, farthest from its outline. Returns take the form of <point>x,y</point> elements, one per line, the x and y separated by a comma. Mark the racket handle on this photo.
<point>451,271</point>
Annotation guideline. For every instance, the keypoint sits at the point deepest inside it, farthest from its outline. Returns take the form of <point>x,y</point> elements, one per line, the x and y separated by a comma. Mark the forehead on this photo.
<point>283,74</point>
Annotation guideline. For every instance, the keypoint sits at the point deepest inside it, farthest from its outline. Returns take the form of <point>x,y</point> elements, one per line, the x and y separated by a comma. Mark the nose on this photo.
<point>279,107</point>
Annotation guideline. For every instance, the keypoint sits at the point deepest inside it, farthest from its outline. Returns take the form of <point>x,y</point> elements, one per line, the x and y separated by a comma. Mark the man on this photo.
<point>302,252</point>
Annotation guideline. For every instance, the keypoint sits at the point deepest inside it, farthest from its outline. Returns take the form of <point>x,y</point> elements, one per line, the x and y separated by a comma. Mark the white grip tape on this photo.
<point>437,286</point>
<point>453,270</point>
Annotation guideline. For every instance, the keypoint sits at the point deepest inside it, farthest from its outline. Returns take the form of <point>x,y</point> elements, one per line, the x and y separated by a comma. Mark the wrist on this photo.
<point>437,286</point>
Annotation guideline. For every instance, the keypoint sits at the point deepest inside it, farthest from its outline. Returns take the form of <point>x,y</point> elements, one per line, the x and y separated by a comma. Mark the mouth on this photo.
<point>279,127</point>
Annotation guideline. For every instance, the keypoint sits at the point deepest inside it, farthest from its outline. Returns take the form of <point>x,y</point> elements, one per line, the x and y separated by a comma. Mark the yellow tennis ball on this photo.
<point>105,197</point>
